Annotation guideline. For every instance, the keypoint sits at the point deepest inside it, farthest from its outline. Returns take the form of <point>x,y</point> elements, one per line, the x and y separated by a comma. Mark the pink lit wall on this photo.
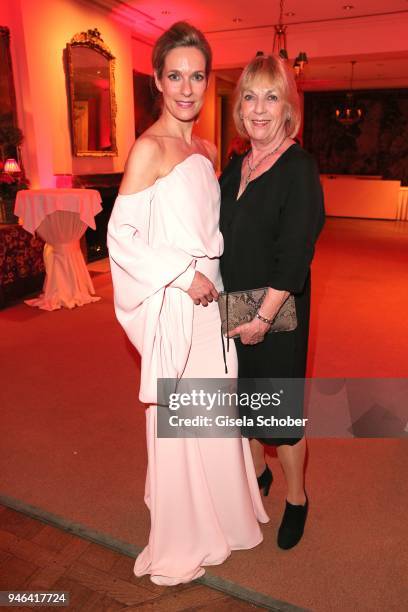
<point>10,16</point>
<point>206,123</point>
<point>39,33</point>
<point>5,16</point>
<point>141,56</point>
<point>382,35</point>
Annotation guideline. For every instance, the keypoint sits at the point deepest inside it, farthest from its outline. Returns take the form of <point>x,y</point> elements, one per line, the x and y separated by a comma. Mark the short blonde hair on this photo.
<point>275,70</point>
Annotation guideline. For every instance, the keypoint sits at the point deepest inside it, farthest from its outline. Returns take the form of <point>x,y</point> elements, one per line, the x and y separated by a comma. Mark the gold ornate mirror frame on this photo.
<point>91,39</point>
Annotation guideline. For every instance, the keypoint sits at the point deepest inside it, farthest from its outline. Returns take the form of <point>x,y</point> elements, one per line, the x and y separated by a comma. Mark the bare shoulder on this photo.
<point>211,150</point>
<point>143,165</point>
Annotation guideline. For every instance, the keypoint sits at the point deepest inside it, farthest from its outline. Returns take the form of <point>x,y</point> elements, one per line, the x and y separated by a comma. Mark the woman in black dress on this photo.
<point>271,215</point>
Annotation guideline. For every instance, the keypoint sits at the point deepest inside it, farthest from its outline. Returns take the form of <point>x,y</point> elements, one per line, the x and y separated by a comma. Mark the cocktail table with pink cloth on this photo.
<point>60,217</point>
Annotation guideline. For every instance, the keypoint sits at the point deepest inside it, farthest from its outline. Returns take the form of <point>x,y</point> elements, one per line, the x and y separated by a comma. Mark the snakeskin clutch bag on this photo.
<point>237,307</point>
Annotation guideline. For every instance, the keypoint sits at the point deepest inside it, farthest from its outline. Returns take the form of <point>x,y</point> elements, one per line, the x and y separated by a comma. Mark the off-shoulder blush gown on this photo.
<point>202,493</point>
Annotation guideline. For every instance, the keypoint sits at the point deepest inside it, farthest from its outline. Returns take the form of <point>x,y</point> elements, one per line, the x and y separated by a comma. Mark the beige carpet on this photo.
<point>73,431</point>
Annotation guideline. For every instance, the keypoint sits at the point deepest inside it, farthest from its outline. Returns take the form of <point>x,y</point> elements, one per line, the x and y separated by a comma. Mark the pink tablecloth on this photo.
<point>32,205</point>
<point>60,217</point>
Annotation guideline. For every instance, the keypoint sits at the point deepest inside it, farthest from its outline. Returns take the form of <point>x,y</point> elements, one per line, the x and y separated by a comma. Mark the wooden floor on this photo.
<point>35,556</point>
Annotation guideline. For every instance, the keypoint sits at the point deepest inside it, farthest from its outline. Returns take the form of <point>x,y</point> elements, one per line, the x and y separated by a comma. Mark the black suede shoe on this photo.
<point>265,480</point>
<point>292,525</point>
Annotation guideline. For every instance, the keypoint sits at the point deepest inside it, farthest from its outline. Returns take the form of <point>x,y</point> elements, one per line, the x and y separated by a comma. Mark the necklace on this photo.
<point>253,168</point>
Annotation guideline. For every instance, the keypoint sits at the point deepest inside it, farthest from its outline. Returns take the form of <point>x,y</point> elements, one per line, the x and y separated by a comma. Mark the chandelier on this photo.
<point>349,112</point>
<point>280,46</point>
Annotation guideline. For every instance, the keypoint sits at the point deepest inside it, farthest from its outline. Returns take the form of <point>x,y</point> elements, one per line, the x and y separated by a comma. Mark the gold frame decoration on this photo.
<point>92,39</point>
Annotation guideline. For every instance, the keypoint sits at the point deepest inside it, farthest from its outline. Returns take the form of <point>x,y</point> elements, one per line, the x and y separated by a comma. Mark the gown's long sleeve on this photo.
<point>155,238</point>
<point>159,328</point>
<point>152,268</point>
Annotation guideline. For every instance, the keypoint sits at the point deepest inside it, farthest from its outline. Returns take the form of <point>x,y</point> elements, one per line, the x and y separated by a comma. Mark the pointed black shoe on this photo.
<point>265,480</point>
<point>292,525</point>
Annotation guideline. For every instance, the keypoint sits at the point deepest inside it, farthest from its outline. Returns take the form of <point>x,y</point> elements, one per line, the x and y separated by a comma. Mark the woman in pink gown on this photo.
<point>164,246</point>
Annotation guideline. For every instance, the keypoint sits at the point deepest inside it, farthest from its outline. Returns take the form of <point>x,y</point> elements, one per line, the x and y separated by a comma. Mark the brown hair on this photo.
<point>276,71</point>
<point>181,34</point>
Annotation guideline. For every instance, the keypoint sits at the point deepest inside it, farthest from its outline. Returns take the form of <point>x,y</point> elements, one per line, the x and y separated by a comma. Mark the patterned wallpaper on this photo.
<point>376,145</point>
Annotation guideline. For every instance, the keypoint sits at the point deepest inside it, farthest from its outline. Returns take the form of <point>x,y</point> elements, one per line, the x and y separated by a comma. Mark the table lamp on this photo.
<point>11,166</point>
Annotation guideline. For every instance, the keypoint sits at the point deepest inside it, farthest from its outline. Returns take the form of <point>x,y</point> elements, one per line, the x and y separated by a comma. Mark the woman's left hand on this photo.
<point>250,333</point>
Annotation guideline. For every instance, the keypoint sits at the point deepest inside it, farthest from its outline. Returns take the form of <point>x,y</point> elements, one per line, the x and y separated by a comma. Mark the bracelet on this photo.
<point>264,319</point>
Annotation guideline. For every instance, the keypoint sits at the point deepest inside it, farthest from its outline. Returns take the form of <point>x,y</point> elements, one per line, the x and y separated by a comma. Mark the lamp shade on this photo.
<point>302,57</point>
<point>11,165</point>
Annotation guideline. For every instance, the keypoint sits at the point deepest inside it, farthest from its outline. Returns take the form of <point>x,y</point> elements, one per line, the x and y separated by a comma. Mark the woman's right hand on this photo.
<point>202,290</point>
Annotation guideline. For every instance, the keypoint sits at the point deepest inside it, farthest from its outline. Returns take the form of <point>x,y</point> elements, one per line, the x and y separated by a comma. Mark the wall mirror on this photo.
<point>10,135</point>
<point>91,85</point>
